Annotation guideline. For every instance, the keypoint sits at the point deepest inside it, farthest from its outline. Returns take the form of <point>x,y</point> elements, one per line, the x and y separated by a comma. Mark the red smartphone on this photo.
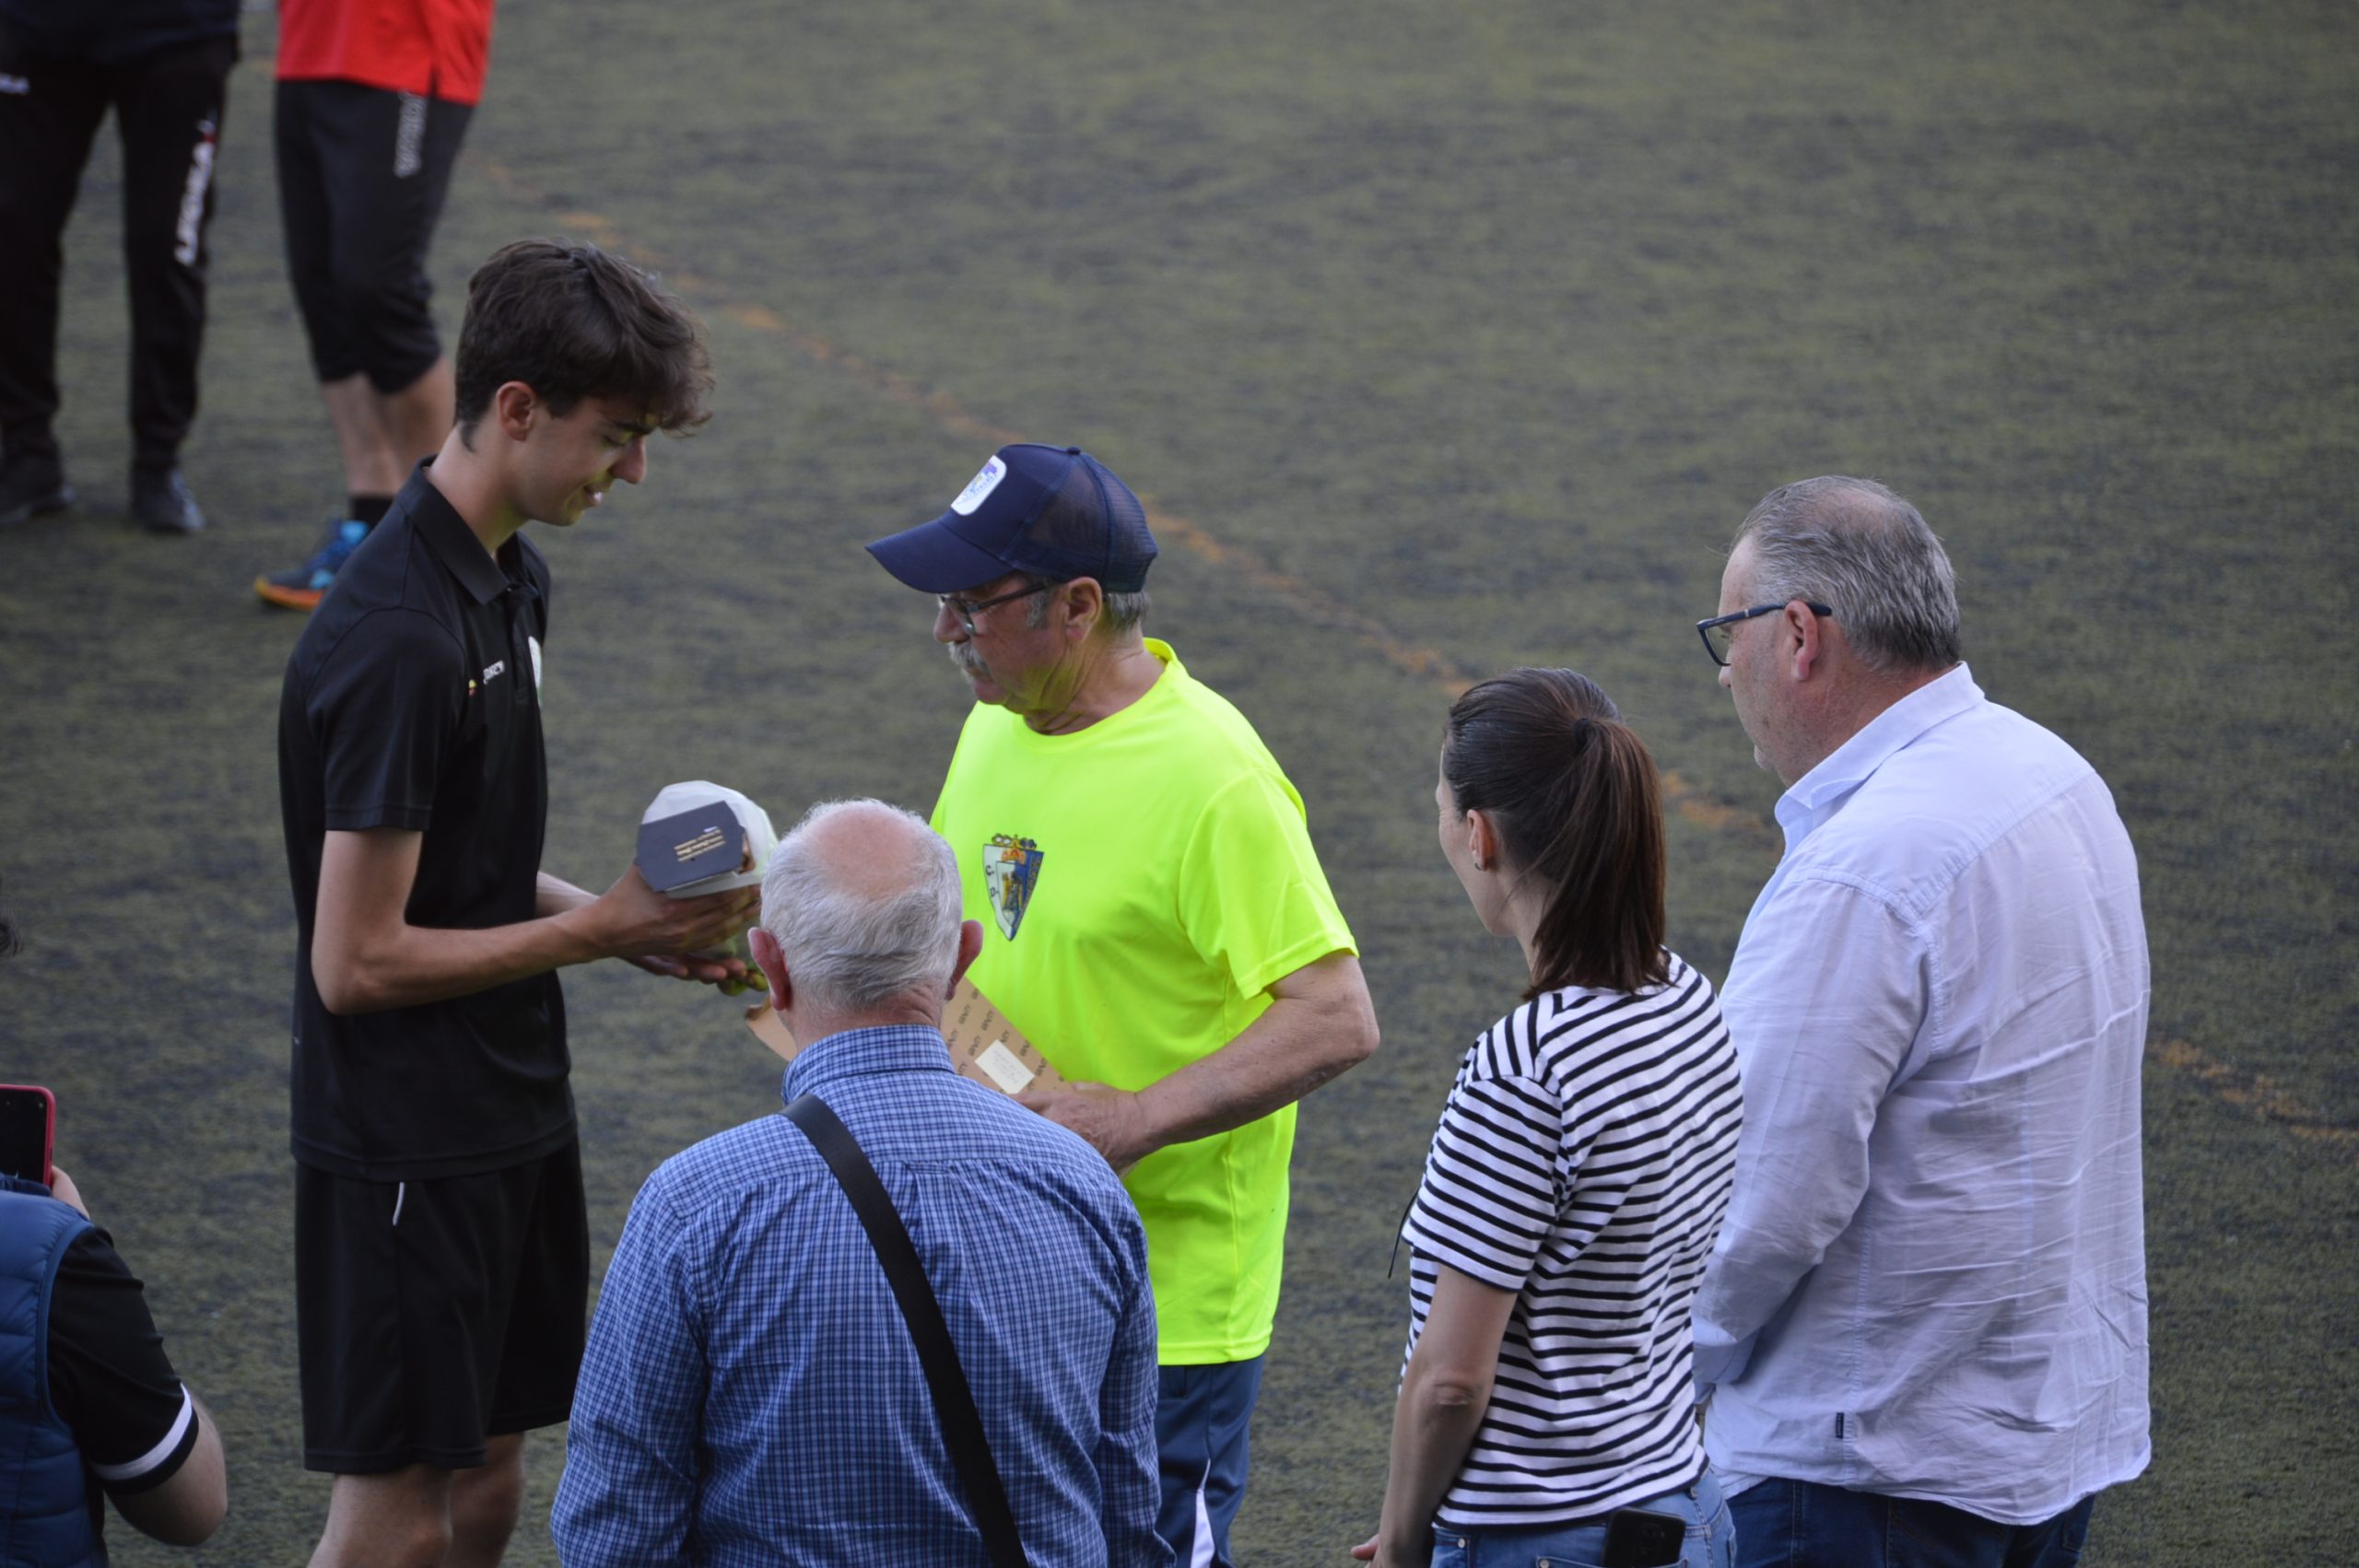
<point>27,1131</point>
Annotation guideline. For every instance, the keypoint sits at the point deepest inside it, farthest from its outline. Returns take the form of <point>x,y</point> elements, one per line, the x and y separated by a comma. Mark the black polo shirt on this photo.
<point>412,701</point>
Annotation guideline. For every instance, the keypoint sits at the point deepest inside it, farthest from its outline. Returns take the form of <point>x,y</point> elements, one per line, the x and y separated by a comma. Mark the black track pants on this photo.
<point>167,111</point>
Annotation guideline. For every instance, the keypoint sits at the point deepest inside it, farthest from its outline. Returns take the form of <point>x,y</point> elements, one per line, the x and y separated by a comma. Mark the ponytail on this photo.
<point>1574,795</point>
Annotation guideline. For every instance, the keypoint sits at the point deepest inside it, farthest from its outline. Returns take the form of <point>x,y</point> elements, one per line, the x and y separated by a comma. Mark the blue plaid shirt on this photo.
<point>750,1393</point>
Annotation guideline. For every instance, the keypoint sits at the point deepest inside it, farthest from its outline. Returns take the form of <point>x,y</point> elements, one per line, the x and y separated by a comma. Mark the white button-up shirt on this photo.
<point>1933,1280</point>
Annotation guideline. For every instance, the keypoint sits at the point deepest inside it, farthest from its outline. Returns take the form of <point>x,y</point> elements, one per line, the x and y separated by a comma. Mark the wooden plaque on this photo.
<point>983,1046</point>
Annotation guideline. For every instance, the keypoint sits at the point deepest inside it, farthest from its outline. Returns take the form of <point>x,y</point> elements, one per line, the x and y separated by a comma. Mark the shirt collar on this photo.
<point>857,1053</point>
<point>447,534</point>
<point>1818,793</point>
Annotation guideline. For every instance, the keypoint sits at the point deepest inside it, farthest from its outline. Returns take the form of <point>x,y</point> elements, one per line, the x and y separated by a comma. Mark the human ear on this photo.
<point>1482,840</point>
<point>1084,599</point>
<point>1809,633</point>
<point>970,947</point>
<point>771,960</point>
<point>514,408</point>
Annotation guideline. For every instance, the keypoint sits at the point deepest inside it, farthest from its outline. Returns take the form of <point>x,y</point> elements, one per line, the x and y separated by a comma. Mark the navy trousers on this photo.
<point>1800,1524</point>
<point>1201,1417</point>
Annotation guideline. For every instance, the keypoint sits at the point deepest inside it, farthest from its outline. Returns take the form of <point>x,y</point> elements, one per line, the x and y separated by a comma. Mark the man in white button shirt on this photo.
<point>1922,1334</point>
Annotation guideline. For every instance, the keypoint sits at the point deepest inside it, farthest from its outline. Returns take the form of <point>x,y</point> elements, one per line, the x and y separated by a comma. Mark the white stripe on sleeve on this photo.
<point>133,1470</point>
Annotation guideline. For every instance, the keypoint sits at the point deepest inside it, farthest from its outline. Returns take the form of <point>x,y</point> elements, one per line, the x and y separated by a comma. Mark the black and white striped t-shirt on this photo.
<point>1583,1162</point>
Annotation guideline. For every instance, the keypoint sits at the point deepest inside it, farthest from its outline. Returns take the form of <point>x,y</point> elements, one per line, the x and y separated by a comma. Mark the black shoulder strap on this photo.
<point>954,1400</point>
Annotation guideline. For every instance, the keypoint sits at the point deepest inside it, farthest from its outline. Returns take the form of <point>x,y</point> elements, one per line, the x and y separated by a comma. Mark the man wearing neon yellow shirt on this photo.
<point>1154,921</point>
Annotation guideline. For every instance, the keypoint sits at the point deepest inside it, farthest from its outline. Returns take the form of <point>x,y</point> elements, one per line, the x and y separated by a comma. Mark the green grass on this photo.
<point>1488,322</point>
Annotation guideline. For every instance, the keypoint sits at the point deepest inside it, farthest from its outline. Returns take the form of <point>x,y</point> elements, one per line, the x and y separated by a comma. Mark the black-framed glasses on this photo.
<point>967,609</point>
<point>1721,630</point>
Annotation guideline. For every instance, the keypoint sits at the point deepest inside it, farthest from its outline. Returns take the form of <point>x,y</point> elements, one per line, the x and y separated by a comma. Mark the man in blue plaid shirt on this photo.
<point>750,1393</point>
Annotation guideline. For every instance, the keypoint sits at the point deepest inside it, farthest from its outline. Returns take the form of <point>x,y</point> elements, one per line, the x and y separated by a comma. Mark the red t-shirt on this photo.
<point>439,47</point>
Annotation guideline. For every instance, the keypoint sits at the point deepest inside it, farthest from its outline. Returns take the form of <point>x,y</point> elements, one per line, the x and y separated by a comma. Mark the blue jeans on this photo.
<point>1788,1524</point>
<point>1201,1416</point>
<point>1711,1538</point>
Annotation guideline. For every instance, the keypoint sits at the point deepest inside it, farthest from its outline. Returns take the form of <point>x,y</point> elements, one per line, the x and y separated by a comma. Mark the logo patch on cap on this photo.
<point>980,486</point>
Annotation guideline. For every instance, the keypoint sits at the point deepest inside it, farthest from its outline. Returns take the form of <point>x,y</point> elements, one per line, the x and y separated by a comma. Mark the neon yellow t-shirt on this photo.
<point>1141,884</point>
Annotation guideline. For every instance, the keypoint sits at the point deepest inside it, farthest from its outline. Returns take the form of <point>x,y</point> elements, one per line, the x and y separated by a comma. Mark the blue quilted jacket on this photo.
<point>44,1510</point>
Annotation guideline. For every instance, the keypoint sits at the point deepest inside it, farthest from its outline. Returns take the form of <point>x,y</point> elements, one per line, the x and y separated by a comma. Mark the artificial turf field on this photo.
<point>1441,339</point>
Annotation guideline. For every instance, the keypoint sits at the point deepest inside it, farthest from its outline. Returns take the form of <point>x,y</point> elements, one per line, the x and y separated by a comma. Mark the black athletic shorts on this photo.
<point>431,1314</point>
<point>362,173</point>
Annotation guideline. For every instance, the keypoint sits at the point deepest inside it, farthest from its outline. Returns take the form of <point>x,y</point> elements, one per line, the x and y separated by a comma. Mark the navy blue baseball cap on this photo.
<point>1056,512</point>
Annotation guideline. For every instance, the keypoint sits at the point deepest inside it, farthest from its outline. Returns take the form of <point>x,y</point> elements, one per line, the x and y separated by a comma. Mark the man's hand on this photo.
<point>734,976</point>
<point>1110,1120</point>
<point>559,897</point>
<point>708,969</point>
<point>1318,1022</point>
<point>667,936</point>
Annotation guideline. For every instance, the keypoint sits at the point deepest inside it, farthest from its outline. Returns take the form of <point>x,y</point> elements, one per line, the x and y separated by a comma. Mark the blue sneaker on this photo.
<point>300,589</point>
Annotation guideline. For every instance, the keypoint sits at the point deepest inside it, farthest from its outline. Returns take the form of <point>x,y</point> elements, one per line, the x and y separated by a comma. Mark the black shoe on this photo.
<point>31,485</point>
<point>160,500</point>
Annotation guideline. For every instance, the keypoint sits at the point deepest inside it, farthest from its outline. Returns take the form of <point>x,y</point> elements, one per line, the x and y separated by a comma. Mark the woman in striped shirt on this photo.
<point>1579,1176</point>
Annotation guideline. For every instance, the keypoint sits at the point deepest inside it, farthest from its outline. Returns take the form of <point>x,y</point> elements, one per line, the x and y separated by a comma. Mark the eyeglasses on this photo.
<point>1721,630</point>
<point>967,609</point>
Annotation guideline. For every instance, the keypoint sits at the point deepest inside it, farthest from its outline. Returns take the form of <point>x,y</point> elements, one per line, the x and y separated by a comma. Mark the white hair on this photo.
<point>1123,610</point>
<point>852,950</point>
<point>1866,554</point>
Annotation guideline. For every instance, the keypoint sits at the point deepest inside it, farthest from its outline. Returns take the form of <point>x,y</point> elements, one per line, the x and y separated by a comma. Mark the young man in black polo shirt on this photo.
<point>442,1247</point>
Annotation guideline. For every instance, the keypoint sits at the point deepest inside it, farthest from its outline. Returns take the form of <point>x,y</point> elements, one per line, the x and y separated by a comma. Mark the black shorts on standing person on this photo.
<point>396,1313</point>
<point>362,175</point>
<point>163,68</point>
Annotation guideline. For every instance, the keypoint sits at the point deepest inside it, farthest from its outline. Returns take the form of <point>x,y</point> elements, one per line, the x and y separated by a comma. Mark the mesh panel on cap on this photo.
<point>1094,527</point>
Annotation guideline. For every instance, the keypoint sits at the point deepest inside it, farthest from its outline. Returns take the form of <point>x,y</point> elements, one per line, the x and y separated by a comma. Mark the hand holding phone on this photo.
<point>27,1132</point>
<point>61,1187</point>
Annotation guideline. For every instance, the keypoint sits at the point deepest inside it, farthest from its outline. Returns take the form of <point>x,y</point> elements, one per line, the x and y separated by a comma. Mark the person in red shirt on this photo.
<point>373,99</point>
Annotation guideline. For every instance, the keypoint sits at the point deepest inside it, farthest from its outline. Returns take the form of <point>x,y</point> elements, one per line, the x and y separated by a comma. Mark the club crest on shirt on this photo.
<point>1011,871</point>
